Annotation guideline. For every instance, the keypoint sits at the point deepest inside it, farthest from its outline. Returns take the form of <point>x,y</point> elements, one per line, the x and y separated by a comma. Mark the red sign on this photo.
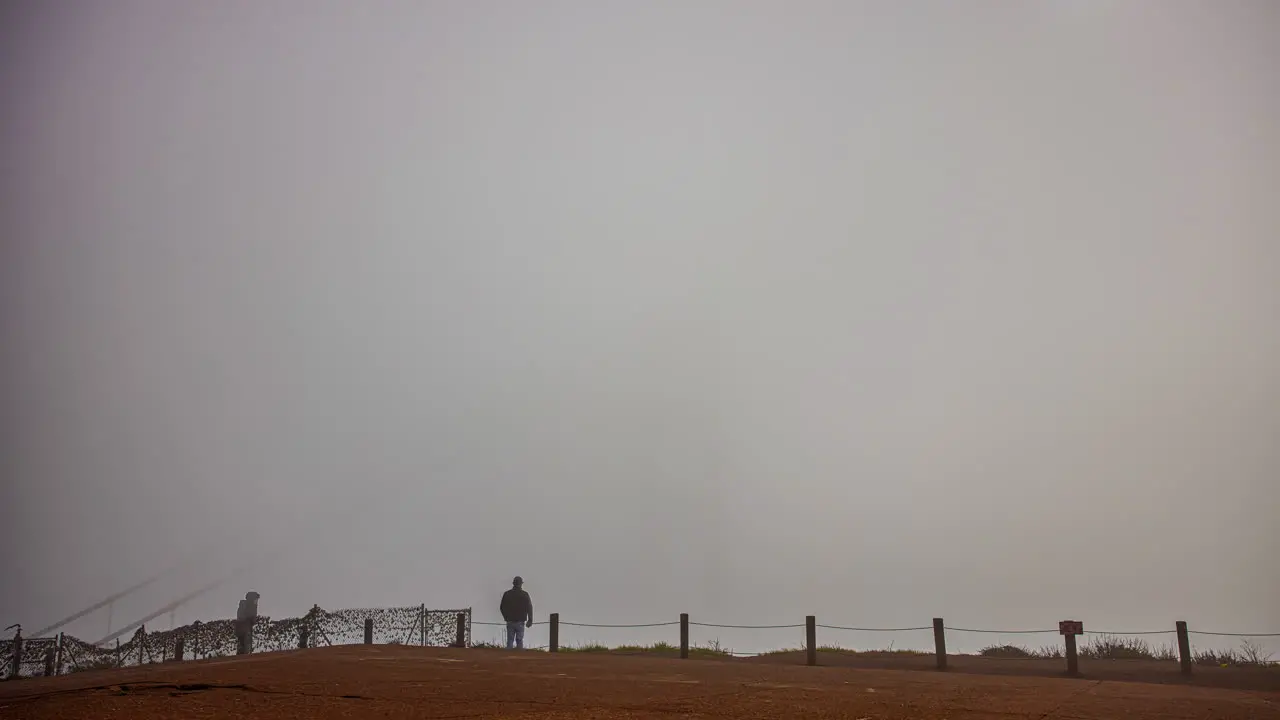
<point>1071,627</point>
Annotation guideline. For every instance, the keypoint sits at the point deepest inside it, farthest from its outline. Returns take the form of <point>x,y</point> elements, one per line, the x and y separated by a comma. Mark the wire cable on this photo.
<point>863,629</point>
<point>1001,632</point>
<point>1143,632</point>
<point>747,627</point>
<point>638,625</point>
<point>1222,634</point>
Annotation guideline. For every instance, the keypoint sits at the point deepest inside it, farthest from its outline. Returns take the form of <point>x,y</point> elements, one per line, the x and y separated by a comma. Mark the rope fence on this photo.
<point>637,625</point>
<point>416,625</point>
<point>999,632</point>
<point>1222,634</point>
<point>1105,644</point>
<point>745,627</point>
<point>862,629</point>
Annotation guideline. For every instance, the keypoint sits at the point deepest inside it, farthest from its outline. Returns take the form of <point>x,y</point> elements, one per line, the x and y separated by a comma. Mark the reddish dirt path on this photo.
<point>405,682</point>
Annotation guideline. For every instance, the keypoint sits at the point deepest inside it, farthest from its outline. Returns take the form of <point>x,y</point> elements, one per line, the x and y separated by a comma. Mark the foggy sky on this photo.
<point>879,311</point>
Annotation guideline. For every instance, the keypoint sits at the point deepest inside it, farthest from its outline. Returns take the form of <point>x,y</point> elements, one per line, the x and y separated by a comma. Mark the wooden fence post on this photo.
<point>462,630</point>
<point>180,649</point>
<point>1069,629</point>
<point>50,658</point>
<point>304,636</point>
<point>684,636</point>
<point>811,639</point>
<point>940,643</point>
<point>368,631</point>
<point>57,667</point>
<point>119,662</point>
<point>422,629</point>
<point>1184,647</point>
<point>554,641</point>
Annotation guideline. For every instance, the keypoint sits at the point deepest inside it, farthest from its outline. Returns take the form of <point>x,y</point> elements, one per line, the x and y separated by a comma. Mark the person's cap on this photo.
<point>251,595</point>
<point>517,580</point>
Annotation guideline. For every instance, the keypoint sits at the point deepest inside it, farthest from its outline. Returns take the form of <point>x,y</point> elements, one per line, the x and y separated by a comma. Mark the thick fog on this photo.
<point>876,311</point>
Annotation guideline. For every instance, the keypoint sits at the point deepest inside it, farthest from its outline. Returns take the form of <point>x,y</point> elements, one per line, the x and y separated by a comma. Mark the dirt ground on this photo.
<point>406,682</point>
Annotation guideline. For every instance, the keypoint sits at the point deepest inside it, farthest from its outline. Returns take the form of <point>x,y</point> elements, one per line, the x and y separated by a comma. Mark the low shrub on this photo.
<point>1006,651</point>
<point>1110,647</point>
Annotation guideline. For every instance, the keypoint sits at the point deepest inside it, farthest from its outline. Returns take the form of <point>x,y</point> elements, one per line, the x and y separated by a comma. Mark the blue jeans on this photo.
<point>515,635</point>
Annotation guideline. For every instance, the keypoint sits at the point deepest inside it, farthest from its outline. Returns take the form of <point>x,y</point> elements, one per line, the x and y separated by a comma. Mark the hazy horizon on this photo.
<point>877,311</point>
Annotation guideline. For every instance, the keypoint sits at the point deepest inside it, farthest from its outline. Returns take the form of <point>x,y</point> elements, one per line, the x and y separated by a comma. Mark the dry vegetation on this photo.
<point>1097,647</point>
<point>1110,647</point>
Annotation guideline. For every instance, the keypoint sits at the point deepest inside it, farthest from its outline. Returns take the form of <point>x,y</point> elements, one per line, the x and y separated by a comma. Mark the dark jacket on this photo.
<point>247,610</point>
<point>516,606</point>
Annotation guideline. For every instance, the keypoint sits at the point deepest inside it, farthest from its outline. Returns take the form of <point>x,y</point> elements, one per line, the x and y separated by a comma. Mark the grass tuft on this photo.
<point>585,648</point>
<point>1006,651</point>
<point>712,649</point>
<point>1110,647</point>
<point>1250,654</point>
<point>847,651</point>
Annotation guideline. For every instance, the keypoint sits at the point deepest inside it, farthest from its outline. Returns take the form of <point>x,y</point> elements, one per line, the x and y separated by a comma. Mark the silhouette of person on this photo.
<point>517,611</point>
<point>246,613</point>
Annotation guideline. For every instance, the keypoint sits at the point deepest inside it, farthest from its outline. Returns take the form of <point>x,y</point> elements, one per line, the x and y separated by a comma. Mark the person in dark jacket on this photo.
<point>246,614</point>
<point>517,611</point>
